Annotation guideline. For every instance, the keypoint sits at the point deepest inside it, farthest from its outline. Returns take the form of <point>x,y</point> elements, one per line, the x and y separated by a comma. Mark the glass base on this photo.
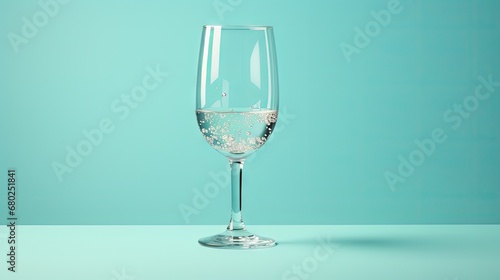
<point>237,239</point>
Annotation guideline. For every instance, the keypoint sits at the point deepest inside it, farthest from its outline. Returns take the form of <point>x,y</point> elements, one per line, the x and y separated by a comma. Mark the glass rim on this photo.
<point>238,27</point>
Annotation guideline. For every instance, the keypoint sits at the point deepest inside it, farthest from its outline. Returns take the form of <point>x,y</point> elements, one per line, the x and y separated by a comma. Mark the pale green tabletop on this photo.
<point>425,252</point>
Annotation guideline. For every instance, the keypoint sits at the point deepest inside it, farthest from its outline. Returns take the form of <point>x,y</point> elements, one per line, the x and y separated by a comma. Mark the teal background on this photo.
<point>342,124</point>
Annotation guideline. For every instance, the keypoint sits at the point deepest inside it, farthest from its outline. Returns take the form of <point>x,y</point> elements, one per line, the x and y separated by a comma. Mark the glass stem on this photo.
<point>236,222</point>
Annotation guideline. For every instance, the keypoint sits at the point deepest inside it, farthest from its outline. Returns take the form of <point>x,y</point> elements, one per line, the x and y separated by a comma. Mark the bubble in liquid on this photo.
<point>224,94</point>
<point>248,133</point>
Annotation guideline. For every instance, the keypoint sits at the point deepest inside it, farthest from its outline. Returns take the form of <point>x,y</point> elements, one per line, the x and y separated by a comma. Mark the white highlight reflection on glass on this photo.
<point>214,70</point>
<point>204,62</point>
<point>269,71</point>
<point>255,65</point>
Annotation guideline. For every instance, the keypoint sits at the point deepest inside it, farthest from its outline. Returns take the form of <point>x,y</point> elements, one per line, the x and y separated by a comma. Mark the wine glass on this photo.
<point>237,109</point>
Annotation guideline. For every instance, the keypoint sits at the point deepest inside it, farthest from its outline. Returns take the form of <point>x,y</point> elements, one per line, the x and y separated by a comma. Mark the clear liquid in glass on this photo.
<point>236,134</point>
